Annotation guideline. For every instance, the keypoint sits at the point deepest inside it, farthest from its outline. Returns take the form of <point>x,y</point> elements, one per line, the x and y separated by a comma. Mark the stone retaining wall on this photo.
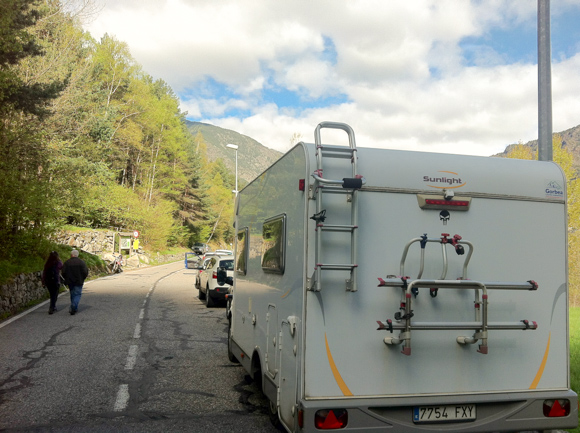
<point>91,241</point>
<point>24,289</point>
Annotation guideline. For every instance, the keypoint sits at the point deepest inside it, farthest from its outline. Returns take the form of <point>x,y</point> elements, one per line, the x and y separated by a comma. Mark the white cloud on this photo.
<point>399,64</point>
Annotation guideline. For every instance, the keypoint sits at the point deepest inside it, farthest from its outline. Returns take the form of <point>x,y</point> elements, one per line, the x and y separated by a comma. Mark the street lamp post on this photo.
<point>235,147</point>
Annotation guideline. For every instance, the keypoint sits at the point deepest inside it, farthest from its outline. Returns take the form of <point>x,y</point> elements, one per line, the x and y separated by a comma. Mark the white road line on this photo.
<point>137,333</point>
<point>141,313</point>
<point>132,357</point>
<point>122,398</point>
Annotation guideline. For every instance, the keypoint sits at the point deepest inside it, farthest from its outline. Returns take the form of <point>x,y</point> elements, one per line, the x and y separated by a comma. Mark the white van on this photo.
<point>393,291</point>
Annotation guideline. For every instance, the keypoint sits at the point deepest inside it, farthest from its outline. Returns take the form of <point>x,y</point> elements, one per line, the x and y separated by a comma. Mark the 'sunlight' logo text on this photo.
<point>444,180</point>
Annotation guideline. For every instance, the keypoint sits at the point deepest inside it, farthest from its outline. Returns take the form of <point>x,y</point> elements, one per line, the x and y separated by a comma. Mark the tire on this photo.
<point>200,295</point>
<point>228,309</point>
<point>273,415</point>
<point>272,408</point>
<point>231,355</point>
<point>209,303</point>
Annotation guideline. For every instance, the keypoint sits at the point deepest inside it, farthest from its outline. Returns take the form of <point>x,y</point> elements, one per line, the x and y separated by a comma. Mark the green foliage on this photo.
<point>565,160</point>
<point>114,151</point>
<point>33,260</point>
<point>575,353</point>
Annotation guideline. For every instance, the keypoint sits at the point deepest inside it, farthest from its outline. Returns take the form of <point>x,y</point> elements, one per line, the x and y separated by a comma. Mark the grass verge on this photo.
<point>575,353</point>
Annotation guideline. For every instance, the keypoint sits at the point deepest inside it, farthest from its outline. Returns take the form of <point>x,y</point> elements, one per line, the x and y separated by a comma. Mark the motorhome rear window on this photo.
<point>242,252</point>
<point>274,240</point>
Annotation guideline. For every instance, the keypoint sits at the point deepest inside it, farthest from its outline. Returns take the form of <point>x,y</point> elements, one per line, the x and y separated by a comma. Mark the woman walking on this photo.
<point>51,278</point>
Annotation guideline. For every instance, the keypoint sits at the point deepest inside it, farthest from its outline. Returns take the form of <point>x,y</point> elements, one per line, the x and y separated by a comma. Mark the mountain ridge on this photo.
<point>570,140</point>
<point>253,157</point>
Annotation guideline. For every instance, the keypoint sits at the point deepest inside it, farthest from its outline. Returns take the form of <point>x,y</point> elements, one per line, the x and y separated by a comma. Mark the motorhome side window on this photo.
<point>242,252</point>
<point>274,240</point>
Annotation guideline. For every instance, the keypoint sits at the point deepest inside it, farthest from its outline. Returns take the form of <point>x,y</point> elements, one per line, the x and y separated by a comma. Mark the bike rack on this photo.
<point>409,287</point>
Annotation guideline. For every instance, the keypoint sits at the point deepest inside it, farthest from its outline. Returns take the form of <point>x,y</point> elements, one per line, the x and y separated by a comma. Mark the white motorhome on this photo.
<point>383,290</point>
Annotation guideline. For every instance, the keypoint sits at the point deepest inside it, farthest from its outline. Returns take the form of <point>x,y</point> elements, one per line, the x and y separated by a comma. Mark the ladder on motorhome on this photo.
<point>348,186</point>
<point>480,325</point>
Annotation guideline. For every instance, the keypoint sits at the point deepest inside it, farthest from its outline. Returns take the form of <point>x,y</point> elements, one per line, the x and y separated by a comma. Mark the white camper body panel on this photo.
<point>515,239</point>
<point>321,348</point>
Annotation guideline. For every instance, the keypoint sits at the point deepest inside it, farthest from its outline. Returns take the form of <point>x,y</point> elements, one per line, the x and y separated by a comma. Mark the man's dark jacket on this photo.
<point>75,272</point>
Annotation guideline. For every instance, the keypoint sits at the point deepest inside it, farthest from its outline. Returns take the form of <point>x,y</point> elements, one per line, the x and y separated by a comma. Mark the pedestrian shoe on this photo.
<point>71,311</point>
<point>51,310</point>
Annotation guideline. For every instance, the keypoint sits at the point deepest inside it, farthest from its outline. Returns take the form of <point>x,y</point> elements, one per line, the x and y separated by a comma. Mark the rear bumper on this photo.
<point>219,293</point>
<point>507,412</point>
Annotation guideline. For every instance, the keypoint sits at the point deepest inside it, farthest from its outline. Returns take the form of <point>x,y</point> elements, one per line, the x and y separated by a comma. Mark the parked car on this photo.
<point>199,248</point>
<point>216,253</point>
<point>201,266</point>
<point>209,289</point>
<point>195,271</point>
<point>191,261</point>
<point>225,252</point>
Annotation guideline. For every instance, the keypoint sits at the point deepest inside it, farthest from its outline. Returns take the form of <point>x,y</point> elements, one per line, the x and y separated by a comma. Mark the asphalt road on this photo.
<point>143,354</point>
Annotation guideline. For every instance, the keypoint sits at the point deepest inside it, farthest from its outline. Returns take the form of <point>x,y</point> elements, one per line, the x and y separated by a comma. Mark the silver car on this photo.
<point>209,289</point>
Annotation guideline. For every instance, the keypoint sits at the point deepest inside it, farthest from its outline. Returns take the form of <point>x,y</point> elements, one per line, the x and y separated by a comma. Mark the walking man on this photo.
<point>75,271</point>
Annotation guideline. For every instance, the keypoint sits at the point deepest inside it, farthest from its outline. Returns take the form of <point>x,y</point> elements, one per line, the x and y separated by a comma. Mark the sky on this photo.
<point>453,76</point>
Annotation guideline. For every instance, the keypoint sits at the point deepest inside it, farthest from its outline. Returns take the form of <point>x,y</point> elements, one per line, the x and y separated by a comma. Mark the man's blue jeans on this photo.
<point>75,296</point>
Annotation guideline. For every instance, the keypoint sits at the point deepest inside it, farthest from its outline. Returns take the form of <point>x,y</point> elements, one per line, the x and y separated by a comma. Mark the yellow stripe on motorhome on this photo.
<point>542,365</point>
<point>335,373</point>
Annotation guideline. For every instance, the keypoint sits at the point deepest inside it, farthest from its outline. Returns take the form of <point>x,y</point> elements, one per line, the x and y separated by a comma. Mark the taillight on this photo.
<point>556,408</point>
<point>441,202</point>
<point>451,203</point>
<point>214,275</point>
<point>331,419</point>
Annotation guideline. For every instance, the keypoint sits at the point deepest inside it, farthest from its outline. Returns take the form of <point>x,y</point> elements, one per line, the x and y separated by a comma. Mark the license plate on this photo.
<point>448,413</point>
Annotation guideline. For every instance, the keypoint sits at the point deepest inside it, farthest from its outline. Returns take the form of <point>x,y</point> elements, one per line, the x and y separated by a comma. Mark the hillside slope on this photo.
<point>570,140</point>
<point>253,157</point>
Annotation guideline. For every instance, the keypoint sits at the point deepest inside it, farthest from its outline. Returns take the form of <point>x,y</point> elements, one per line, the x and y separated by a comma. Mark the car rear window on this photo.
<point>228,265</point>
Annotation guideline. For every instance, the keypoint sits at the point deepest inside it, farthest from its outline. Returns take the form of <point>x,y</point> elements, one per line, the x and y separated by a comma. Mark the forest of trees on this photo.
<point>87,138</point>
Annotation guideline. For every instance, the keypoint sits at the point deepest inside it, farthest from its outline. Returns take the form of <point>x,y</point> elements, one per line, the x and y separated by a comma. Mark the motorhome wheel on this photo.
<point>231,355</point>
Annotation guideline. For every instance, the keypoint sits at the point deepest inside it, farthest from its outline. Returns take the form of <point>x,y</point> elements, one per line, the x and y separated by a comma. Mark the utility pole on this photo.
<point>544,83</point>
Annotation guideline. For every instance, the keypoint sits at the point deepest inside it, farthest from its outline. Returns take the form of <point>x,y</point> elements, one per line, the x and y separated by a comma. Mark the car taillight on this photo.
<point>331,419</point>
<point>556,408</point>
<point>214,275</point>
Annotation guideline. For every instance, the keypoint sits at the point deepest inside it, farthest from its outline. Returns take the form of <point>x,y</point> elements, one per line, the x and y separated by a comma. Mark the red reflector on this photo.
<point>460,203</point>
<point>302,184</point>
<point>556,408</point>
<point>301,418</point>
<point>331,419</point>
